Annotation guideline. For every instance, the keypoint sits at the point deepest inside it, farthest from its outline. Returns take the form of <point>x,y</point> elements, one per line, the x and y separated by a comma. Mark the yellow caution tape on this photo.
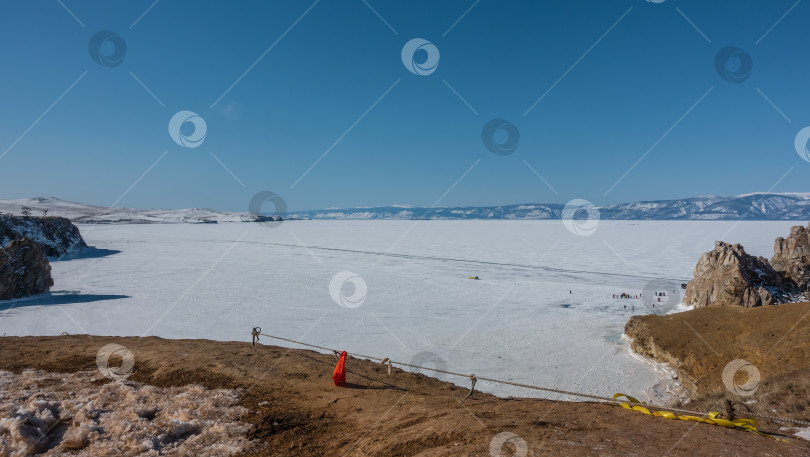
<point>711,418</point>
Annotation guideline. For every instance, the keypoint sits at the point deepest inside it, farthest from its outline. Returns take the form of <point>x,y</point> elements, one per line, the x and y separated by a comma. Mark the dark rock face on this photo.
<point>792,256</point>
<point>255,217</point>
<point>24,270</point>
<point>727,275</point>
<point>57,235</point>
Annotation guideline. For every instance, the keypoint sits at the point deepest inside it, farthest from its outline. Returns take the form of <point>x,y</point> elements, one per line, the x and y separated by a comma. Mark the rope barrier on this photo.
<point>712,419</point>
<point>638,406</point>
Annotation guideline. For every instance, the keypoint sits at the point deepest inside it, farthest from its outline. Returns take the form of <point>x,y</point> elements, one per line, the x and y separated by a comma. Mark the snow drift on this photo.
<point>52,414</point>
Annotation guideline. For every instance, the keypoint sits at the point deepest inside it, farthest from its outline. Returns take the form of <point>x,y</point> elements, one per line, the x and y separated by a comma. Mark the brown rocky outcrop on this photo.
<point>644,342</point>
<point>727,275</point>
<point>24,270</point>
<point>700,344</point>
<point>791,256</point>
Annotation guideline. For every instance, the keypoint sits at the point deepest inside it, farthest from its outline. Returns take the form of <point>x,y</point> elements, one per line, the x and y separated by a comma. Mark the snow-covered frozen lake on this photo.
<point>542,312</point>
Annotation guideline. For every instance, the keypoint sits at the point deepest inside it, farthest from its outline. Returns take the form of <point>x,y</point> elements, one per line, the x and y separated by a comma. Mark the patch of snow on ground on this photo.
<point>804,433</point>
<point>680,308</point>
<point>668,391</point>
<point>53,414</point>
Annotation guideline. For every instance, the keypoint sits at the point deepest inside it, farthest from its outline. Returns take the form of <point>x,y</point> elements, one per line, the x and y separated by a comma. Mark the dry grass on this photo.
<point>775,340</point>
<point>295,410</point>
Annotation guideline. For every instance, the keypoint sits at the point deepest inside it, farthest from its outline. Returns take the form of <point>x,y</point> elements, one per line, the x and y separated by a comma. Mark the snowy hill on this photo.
<point>89,214</point>
<point>757,206</point>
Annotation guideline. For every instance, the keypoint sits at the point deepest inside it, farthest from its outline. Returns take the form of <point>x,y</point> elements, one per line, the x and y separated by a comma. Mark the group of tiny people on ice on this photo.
<point>637,296</point>
<point>658,296</point>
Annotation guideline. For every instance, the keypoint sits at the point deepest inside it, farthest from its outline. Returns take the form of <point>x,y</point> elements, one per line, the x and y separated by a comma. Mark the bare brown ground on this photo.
<point>700,343</point>
<point>375,414</point>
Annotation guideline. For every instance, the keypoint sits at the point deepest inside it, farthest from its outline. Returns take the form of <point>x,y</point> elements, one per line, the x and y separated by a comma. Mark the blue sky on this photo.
<point>281,84</point>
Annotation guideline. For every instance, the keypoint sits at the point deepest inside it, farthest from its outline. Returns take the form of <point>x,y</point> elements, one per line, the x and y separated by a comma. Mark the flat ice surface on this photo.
<point>518,322</point>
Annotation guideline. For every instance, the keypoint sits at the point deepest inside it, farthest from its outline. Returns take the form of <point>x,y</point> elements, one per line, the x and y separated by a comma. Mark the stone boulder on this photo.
<point>24,270</point>
<point>57,235</point>
<point>728,276</point>
<point>791,256</point>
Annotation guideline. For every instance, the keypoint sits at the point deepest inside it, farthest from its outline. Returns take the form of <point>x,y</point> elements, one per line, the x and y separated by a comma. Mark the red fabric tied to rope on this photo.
<point>339,375</point>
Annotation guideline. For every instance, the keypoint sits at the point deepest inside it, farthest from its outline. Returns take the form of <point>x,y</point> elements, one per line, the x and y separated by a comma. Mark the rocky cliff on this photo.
<point>701,343</point>
<point>24,270</point>
<point>57,235</point>
<point>644,341</point>
<point>728,276</point>
<point>792,257</point>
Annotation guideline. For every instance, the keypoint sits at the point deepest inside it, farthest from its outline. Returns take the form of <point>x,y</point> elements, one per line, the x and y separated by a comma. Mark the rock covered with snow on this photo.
<point>24,270</point>
<point>727,275</point>
<point>57,235</point>
<point>791,256</point>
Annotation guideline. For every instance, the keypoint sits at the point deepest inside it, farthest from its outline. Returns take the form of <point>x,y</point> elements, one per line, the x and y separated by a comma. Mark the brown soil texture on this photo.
<point>699,344</point>
<point>296,410</point>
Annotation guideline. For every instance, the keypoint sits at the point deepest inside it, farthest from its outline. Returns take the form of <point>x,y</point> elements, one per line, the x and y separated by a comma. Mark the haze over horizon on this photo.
<point>334,105</point>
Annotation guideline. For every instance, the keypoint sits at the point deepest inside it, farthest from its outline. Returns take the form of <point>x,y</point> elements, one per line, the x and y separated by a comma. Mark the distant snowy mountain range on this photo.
<point>89,214</point>
<point>756,206</point>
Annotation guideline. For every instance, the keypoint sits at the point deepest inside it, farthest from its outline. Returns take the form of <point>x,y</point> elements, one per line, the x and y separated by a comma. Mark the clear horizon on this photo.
<point>463,103</point>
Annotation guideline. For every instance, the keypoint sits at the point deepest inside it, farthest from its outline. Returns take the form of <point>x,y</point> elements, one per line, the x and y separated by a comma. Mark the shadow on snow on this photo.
<point>56,298</point>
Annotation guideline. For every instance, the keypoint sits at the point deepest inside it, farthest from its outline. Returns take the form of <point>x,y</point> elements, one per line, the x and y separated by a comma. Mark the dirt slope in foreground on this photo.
<point>380,415</point>
<point>699,344</point>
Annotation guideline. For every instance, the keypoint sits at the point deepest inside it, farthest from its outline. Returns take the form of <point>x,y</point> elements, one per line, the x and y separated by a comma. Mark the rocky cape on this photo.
<point>26,242</point>
<point>732,326</point>
<point>728,276</point>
